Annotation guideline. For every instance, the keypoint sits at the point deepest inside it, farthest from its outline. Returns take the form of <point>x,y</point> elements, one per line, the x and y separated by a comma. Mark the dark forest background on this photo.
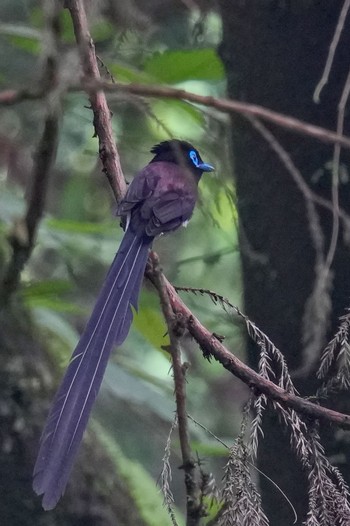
<point>270,233</point>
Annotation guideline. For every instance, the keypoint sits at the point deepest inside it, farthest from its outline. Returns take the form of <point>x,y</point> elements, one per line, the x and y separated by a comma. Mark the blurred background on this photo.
<point>285,262</point>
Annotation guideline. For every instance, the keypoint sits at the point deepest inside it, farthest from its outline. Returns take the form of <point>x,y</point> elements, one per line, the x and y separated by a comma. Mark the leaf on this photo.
<point>221,208</point>
<point>22,37</point>
<point>172,67</point>
<point>102,30</point>
<point>20,31</point>
<point>181,119</point>
<point>80,227</point>
<point>37,19</point>
<point>123,73</point>
<point>46,287</point>
<point>209,449</point>
<point>46,294</point>
<point>149,320</point>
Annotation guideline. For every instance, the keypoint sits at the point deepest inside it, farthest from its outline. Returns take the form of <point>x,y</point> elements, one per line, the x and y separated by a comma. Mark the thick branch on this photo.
<point>102,117</point>
<point>213,347</point>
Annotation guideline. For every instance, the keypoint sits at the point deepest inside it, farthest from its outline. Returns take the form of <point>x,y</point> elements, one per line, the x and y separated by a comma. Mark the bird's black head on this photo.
<point>181,153</point>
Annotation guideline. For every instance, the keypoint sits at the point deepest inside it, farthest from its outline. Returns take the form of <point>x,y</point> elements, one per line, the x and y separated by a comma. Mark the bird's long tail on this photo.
<point>108,326</point>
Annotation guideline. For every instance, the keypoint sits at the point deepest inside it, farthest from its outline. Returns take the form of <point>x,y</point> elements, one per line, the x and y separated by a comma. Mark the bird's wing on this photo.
<point>140,189</point>
<point>169,212</point>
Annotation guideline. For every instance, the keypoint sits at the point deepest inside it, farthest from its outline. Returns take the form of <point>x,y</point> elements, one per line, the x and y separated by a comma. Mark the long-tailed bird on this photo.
<point>160,199</point>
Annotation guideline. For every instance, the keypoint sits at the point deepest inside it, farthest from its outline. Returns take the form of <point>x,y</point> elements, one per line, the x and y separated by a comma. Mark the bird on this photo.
<point>160,198</point>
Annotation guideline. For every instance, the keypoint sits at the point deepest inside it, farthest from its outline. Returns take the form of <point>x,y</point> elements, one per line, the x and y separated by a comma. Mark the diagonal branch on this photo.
<point>211,346</point>
<point>94,85</point>
<point>102,116</point>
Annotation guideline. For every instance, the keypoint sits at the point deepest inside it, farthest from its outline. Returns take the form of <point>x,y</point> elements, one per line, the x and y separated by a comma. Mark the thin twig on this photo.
<point>23,236</point>
<point>102,116</point>
<point>318,305</point>
<point>331,53</point>
<point>335,173</point>
<point>194,508</point>
<point>165,476</point>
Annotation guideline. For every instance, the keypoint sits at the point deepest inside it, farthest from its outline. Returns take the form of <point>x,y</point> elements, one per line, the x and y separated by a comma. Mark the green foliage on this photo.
<point>172,67</point>
<point>149,320</point>
<point>22,37</point>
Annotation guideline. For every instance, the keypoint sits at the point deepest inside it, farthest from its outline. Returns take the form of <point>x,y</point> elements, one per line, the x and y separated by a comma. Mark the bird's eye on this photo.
<point>193,157</point>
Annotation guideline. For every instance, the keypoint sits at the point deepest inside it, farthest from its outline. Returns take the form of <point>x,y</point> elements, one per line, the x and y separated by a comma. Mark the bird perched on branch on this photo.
<point>160,199</point>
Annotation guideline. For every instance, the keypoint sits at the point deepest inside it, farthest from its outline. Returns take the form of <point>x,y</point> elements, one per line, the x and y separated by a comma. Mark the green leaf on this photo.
<point>180,119</point>
<point>123,73</point>
<point>67,26</point>
<point>209,449</point>
<point>80,227</point>
<point>102,30</point>
<point>20,31</point>
<point>22,37</point>
<point>46,287</point>
<point>172,67</point>
<point>46,294</point>
<point>149,320</point>
<point>213,507</point>
<point>126,386</point>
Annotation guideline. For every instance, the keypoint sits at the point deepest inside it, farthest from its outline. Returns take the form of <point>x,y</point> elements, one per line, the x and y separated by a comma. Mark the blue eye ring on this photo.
<point>193,157</point>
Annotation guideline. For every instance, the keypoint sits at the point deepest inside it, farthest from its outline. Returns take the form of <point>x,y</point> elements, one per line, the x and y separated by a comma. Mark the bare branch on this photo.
<point>335,172</point>
<point>223,105</point>
<point>102,116</point>
<point>211,346</point>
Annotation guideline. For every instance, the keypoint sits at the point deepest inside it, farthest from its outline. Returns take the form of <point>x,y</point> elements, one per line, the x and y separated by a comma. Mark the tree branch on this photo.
<point>211,346</point>
<point>102,116</point>
<point>9,97</point>
<point>193,502</point>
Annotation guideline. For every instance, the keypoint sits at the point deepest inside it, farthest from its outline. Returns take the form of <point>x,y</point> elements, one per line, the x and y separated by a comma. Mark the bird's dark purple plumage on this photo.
<point>160,198</point>
<point>108,326</point>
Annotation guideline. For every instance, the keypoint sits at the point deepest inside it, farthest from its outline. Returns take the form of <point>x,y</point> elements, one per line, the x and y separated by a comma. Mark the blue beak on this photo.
<point>206,167</point>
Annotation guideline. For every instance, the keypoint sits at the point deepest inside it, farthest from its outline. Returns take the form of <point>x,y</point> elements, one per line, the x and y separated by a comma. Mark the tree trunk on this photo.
<point>274,54</point>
